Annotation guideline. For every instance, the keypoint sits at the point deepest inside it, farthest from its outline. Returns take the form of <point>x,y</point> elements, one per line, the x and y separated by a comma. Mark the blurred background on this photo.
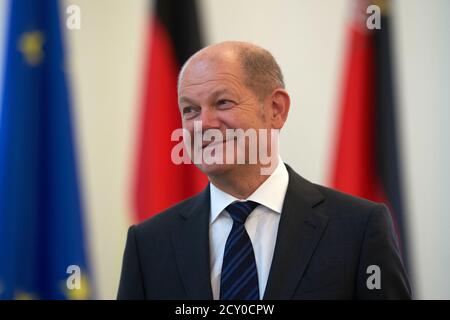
<point>108,84</point>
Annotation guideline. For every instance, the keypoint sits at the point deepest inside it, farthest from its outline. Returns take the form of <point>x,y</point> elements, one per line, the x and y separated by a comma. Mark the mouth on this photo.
<point>215,143</point>
<point>211,144</point>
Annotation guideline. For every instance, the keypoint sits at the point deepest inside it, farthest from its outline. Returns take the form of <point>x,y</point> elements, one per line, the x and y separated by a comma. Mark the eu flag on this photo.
<point>42,252</point>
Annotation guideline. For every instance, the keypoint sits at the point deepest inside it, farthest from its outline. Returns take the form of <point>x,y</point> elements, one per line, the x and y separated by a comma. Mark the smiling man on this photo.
<point>249,235</point>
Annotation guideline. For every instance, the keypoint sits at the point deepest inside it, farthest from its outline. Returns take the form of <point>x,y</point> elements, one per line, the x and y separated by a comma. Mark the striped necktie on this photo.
<point>239,278</point>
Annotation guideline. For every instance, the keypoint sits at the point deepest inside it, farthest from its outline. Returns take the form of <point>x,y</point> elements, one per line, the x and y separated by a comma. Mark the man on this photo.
<point>250,235</point>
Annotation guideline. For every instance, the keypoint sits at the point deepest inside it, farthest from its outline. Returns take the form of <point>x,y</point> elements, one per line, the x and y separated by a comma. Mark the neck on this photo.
<point>240,183</point>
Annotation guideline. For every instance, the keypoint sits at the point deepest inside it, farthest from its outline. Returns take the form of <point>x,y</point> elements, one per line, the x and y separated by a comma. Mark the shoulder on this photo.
<point>169,219</point>
<point>333,203</point>
<point>356,217</point>
<point>346,205</point>
<point>346,202</point>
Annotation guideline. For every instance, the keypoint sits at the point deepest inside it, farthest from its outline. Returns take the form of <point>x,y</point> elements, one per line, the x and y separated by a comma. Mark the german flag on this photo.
<point>367,152</point>
<point>174,35</point>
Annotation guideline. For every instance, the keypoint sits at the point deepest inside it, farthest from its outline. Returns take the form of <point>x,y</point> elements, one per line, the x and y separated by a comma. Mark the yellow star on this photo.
<point>30,44</point>
<point>24,296</point>
<point>82,293</point>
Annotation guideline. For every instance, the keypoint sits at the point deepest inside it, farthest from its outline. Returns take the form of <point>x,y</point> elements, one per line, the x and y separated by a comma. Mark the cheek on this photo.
<point>188,131</point>
<point>255,120</point>
<point>188,125</point>
<point>236,119</point>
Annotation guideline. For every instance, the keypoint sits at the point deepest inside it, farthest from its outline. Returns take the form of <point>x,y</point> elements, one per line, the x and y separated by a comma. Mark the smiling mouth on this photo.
<point>212,144</point>
<point>215,143</point>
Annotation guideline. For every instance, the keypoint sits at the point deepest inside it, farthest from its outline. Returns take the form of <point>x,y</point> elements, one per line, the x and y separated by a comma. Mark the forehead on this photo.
<point>209,74</point>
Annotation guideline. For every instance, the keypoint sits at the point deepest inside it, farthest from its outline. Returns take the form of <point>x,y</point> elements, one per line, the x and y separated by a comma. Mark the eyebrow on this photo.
<point>219,92</point>
<point>213,96</point>
<point>185,99</point>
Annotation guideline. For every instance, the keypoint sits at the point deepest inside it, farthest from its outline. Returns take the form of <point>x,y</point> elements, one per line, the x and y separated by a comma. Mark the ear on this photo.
<point>280,103</point>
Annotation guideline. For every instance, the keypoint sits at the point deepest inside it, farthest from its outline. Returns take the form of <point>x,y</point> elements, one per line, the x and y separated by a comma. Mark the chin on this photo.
<point>215,169</point>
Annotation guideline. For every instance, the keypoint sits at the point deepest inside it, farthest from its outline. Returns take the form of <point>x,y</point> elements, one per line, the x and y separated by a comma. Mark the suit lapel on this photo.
<point>191,243</point>
<point>299,232</point>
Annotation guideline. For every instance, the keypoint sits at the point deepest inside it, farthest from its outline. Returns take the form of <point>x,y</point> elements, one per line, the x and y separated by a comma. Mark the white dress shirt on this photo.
<point>261,225</point>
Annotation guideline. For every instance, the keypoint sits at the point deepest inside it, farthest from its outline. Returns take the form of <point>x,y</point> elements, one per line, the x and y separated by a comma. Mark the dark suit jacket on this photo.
<point>326,241</point>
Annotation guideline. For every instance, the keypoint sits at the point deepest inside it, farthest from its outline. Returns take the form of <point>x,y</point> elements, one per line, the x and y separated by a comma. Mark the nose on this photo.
<point>209,118</point>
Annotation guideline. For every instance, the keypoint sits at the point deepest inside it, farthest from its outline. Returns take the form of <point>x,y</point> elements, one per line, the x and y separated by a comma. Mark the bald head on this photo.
<point>259,70</point>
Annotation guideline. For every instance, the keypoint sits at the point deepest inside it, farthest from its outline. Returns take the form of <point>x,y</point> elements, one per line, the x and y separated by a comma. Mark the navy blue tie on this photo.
<point>239,278</point>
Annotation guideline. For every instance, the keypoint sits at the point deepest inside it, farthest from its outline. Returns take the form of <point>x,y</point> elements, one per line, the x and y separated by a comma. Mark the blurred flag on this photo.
<point>159,183</point>
<point>41,232</point>
<point>367,155</point>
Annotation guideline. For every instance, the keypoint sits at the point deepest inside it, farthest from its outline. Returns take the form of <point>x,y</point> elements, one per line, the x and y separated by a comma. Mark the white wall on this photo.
<point>423,57</point>
<point>105,57</point>
<point>307,37</point>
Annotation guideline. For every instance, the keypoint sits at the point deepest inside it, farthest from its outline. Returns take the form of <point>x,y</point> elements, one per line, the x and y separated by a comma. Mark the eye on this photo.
<point>190,112</point>
<point>225,103</point>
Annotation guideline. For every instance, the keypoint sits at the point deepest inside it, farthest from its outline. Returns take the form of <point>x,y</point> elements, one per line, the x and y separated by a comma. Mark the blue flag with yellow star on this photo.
<point>42,249</point>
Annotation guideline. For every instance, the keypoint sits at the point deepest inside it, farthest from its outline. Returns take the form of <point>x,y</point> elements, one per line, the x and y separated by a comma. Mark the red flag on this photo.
<point>354,167</point>
<point>366,160</point>
<point>159,183</point>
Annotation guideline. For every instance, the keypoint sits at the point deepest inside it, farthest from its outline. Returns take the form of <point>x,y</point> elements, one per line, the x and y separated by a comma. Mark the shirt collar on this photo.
<point>270,193</point>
